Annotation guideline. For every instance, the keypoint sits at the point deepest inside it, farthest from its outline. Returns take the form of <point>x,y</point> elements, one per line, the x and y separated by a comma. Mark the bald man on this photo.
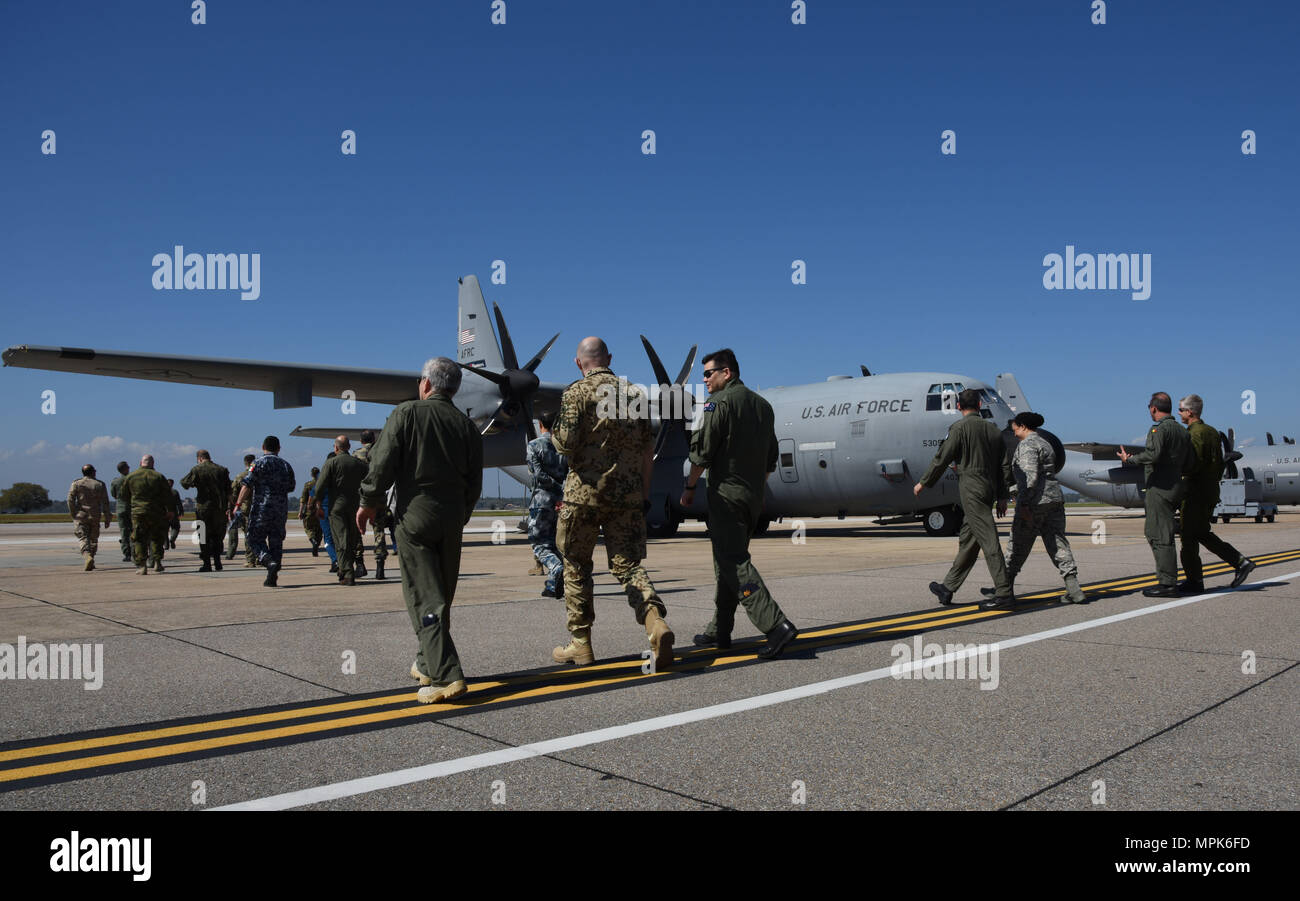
<point>340,478</point>
<point>148,496</point>
<point>607,489</point>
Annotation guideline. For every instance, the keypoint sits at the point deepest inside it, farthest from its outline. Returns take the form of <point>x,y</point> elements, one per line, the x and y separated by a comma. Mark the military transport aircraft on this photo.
<point>849,446</point>
<point>1094,469</point>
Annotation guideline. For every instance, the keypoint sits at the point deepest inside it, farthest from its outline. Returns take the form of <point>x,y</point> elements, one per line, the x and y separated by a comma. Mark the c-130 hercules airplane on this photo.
<point>847,446</point>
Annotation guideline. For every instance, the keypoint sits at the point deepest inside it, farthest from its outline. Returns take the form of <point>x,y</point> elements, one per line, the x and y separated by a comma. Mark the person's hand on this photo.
<point>917,489</point>
<point>230,514</point>
<point>1123,455</point>
<point>687,498</point>
<point>365,515</point>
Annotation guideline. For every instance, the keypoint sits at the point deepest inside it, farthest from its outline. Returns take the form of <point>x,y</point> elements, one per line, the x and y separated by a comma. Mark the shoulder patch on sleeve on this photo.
<point>708,407</point>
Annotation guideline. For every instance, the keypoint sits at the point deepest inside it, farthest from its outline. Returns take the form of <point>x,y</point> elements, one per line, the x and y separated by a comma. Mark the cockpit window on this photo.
<point>943,396</point>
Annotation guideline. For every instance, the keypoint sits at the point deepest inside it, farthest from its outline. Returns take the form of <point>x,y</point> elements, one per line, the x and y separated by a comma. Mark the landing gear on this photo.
<point>942,522</point>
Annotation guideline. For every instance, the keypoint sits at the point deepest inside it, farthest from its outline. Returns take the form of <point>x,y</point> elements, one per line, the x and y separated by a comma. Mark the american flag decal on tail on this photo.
<point>466,336</point>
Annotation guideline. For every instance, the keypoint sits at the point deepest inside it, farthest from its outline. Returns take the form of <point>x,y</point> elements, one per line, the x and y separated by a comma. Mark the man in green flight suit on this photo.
<point>611,458</point>
<point>1202,481</point>
<point>1167,453</point>
<point>211,484</point>
<point>123,510</point>
<point>147,494</point>
<point>307,513</point>
<point>735,440</point>
<point>340,478</point>
<point>382,514</point>
<point>434,455</point>
<point>983,479</point>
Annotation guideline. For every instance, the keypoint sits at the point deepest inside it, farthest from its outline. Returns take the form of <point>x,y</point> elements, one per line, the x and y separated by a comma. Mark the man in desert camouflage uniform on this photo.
<point>87,505</point>
<point>240,521</point>
<point>608,488</point>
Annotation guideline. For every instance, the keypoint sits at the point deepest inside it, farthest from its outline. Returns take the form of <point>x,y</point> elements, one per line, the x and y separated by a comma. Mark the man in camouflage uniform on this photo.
<point>307,513</point>
<point>123,511</point>
<point>240,520</point>
<point>87,505</point>
<point>608,488</point>
<point>549,470</point>
<point>268,486</point>
<point>1205,470</point>
<point>736,442</point>
<point>212,485</point>
<point>382,514</point>
<point>984,477</point>
<point>178,508</point>
<point>1166,455</point>
<point>433,454</point>
<point>341,478</point>
<point>146,493</point>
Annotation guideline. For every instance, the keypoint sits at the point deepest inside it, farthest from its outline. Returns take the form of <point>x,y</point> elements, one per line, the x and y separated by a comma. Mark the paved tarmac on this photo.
<point>219,692</point>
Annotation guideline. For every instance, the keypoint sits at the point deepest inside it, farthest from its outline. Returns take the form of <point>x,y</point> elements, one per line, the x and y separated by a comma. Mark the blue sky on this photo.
<point>522,142</point>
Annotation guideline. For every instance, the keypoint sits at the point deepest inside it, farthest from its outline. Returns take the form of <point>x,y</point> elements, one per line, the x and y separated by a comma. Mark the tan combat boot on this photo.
<point>142,571</point>
<point>90,561</point>
<point>661,638</point>
<point>537,569</point>
<point>578,651</point>
<point>419,676</point>
<point>1073,593</point>
<point>432,694</point>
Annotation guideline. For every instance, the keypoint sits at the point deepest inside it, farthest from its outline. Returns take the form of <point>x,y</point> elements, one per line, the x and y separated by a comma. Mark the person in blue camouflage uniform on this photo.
<point>269,482</point>
<point>548,470</point>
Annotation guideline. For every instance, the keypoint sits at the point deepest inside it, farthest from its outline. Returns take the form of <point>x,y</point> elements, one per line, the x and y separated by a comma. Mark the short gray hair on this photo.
<point>443,375</point>
<point>1193,404</point>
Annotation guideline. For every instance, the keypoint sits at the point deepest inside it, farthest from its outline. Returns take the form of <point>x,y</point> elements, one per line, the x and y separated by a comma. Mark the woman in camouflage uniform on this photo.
<point>1040,506</point>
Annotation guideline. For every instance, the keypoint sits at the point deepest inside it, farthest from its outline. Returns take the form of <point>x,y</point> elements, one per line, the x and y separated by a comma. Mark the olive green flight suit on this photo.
<point>211,484</point>
<point>123,516</point>
<point>147,493</point>
<point>381,514</point>
<point>1167,452</point>
<point>434,455</point>
<point>341,478</point>
<point>602,492</point>
<point>735,441</point>
<point>1205,469</point>
<point>983,478</point>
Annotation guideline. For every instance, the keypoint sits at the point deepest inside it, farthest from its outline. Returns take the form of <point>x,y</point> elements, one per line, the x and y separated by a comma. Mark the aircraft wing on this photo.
<point>1103,451</point>
<point>291,384</point>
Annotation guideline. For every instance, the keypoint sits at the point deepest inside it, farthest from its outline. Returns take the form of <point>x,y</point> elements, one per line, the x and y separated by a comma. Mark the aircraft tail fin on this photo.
<point>1009,389</point>
<point>476,339</point>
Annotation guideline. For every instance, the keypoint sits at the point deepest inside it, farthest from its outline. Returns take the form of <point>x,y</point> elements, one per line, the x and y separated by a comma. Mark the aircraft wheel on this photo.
<point>662,530</point>
<point>1270,517</point>
<point>1225,519</point>
<point>942,522</point>
<point>1259,518</point>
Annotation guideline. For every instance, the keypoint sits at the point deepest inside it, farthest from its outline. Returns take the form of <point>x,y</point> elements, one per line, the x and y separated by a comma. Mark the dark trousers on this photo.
<point>738,583</point>
<point>1196,515</point>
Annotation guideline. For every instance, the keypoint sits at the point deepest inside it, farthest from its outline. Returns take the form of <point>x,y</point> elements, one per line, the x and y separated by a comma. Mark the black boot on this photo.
<point>379,569</point>
<point>272,570</point>
<point>207,565</point>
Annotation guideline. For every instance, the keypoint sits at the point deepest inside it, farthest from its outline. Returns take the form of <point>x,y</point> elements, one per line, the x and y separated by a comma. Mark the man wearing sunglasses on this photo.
<point>735,441</point>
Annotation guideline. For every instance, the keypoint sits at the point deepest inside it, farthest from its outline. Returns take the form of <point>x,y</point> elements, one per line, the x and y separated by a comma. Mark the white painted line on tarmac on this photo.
<point>353,787</point>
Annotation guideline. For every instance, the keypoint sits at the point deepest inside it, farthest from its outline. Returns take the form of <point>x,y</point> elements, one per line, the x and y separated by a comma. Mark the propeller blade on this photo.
<point>661,374</point>
<point>528,417</point>
<point>1232,439</point>
<point>541,354</point>
<point>1270,438</point>
<point>507,346</point>
<point>686,367</point>
<point>865,370</point>
<point>492,418</point>
<point>495,378</point>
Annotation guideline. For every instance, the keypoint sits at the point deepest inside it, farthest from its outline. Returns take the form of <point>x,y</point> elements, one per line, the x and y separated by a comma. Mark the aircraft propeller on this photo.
<point>1230,456</point>
<point>517,384</point>
<point>667,422</point>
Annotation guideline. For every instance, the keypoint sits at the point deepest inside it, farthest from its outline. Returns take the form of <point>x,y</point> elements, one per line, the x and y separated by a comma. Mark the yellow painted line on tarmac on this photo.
<point>571,681</point>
